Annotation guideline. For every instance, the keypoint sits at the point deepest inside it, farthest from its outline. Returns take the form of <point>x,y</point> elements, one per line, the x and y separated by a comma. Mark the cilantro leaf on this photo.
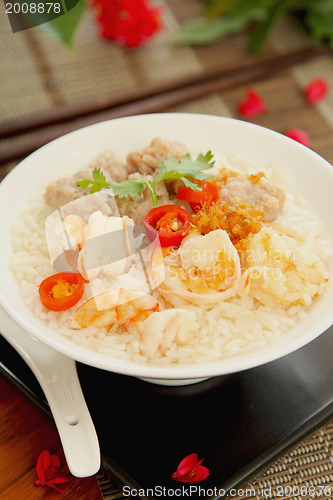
<point>98,182</point>
<point>191,185</point>
<point>175,168</point>
<point>130,187</point>
<point>172,168</point>
<point>84,184</point>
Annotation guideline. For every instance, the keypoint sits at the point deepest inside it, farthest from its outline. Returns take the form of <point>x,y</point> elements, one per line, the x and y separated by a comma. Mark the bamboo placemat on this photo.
<point>39,73</point>
<point>304,472</point>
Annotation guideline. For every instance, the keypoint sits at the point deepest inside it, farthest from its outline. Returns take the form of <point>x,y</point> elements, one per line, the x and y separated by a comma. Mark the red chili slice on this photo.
<point>61,291</point>
<point>196,199</point>
<point>165,222</point>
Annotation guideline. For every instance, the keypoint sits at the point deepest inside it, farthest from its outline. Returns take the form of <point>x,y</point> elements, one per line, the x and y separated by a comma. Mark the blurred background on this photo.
<point>217,50</point>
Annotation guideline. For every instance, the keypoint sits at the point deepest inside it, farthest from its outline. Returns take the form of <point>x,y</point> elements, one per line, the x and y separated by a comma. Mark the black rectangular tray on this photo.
<point>237,423</point>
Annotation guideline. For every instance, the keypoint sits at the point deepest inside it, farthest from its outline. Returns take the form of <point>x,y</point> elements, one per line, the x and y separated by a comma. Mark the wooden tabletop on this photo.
<point>24,433</point>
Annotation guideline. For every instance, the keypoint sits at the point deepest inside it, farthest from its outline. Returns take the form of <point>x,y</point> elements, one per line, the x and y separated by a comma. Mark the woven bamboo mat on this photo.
<point>304,472</point>
<point>39,73</point>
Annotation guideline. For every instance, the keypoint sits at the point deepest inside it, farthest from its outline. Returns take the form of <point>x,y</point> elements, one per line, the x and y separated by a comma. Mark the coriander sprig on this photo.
<point>98,182</point>
<point>170,169</point>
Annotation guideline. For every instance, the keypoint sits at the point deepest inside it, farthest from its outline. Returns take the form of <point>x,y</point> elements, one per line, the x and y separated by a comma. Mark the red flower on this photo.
<point>252,105</point>
<point>299,135</point>
<point>190,470</point>
<point>127,22</point>
<point>316,90</point>
<point>47,471</point>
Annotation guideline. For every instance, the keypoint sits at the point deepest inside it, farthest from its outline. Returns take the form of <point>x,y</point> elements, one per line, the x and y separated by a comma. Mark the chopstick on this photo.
<point>70,112</point>
<point>152,98</point>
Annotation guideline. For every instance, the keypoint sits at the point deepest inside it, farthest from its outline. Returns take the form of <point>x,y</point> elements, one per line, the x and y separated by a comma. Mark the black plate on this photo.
<point>237,423</point>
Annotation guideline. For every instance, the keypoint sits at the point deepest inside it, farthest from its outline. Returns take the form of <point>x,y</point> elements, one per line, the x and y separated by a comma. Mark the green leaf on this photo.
<point>319,20</point>
<point>262,30</point>
<point>64,27</point>
<point>190,184</point>
<point>217,7</point>
<point>205,159</point>
<point>223,17</point>
<point>130,187</point>
<point>84,184</point>
<point>98,182</point>
<point>204,31</point>
<point>172,168</point>
<point>250,8</point>
<point>175,168</point>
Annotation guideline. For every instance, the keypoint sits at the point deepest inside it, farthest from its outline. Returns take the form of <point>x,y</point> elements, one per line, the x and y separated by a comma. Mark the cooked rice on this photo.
<point>237,326</point>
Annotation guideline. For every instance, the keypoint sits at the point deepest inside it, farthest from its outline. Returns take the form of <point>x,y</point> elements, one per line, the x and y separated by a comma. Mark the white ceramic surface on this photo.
<point>309,174</point>
<point>58,378</point>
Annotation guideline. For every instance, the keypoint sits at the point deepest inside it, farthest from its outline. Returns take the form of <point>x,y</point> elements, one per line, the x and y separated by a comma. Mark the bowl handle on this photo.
<point>58,378</point>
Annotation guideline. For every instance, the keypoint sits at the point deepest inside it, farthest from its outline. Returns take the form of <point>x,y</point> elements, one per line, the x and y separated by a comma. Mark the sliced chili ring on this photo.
<point>196,199</point>
<point>61,291</point>
<point>164,222</point>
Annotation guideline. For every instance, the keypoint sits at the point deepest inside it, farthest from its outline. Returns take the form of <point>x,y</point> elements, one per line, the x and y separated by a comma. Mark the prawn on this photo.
<point>74,229</point>
<point>64,240</point>
<point>204,269</point>
<point>162,328</point>
<point>125,307</point>
<point>105,246</point>
<point>281,270</point>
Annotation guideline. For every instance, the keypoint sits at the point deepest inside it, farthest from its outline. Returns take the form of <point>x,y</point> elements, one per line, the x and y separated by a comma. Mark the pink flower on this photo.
<point>190,470</point>
<point>253,104</point>
<point>127,22</point>
<point>316,90</point>
<point>299,135</point>
<point>47,471</point>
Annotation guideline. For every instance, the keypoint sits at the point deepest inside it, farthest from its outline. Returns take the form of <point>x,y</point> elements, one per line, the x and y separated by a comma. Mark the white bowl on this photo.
<point>309,174</point>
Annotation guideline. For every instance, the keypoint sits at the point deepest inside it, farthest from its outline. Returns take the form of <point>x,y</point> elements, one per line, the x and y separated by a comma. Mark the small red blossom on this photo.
<point>316,90</point>
<point>190,470</point>
<point>47,471</point>
<point>253,104</point>
<point>127,22</point>
<point>299,135</point>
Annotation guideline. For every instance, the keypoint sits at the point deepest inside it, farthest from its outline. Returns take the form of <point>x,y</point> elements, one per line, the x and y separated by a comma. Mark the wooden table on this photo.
<point>24,433</point>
